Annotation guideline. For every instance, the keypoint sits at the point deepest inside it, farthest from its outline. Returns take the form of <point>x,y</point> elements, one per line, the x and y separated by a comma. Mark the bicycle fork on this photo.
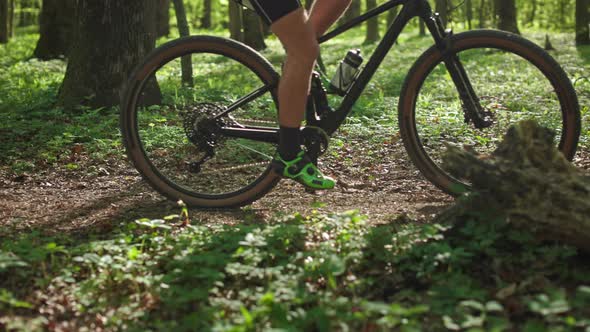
<point>472,108</point>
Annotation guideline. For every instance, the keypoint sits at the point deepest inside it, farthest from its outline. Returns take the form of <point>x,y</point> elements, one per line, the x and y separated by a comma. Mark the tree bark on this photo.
<point>111,37</point>
<point>56,28</point>
<point>530,182</point>
<point>183,28</point>
<point>582,22</point>
<point>506,13</point>
<point>206,18</point>
<point>253,35</point>
<point>4,21</point>
<point>372,24</point>
<point>442,9</point>
<point>163,20</point>
<point>235,21</point>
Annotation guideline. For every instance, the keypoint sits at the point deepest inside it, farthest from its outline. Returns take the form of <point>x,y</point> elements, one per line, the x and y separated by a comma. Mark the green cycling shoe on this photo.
<point>302,170</point>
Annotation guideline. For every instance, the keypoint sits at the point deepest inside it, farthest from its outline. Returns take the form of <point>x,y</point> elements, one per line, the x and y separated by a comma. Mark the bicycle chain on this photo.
<point>233,168</point>
<point>256,121</point>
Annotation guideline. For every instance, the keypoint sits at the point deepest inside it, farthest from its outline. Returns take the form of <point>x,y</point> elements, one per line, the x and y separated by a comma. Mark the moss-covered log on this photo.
<point>528,181</point>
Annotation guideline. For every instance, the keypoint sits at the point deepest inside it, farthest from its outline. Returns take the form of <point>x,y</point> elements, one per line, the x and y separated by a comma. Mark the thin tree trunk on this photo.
<point>391,15</point>
<point>186,61</point>
<point>493,5</point>
<point>96,73</point>
<point>533,12</point>
<point>561,14</point>
<point>4,29</point>
<point>442,10</point>
<point>582,22</point>
<point>253,35</point>
<point>353,11</point>
<point>482,6</point>
<point>506,12</point>
<point>235,21</point>
<point>11,11</point>
<point>206,18</point>
<point>469,13</point>
<point>163,18</point>
<point>56,28</point>
<point>27,15</point>
<point>422,28</point>
<point>372,24</point>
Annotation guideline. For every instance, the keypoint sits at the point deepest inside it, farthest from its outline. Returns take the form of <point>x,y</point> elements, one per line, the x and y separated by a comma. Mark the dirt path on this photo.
<point>73,201</point>
<point>381,183</point>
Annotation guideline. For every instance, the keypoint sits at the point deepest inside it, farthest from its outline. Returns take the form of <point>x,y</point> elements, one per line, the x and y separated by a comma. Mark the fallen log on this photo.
<point>529,182</point>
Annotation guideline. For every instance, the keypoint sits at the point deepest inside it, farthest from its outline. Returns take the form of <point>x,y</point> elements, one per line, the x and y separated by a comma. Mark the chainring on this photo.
<point>316,140</point>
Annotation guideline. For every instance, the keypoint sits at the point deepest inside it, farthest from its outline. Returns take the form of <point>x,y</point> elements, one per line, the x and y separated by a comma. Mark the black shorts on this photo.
<point>272,10</point>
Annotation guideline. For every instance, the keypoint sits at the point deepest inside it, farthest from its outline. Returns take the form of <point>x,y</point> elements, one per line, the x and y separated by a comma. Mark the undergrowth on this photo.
<point>296,273</point>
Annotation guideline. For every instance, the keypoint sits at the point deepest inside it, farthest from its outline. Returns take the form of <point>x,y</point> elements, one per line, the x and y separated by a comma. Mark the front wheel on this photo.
<point>173,131</point>
<point>514,80</point>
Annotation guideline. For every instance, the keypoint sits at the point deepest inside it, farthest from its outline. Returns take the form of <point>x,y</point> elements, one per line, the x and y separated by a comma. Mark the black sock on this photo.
<point>289,142</point>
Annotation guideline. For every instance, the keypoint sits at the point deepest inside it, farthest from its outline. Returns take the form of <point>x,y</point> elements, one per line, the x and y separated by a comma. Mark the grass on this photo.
<point>314,272</point>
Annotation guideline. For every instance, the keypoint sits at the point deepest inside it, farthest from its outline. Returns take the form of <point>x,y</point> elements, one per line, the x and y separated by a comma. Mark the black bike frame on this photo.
<point>331,121</point>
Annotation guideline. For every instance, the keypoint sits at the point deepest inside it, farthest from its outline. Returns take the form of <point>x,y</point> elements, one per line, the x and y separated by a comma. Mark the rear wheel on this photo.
<point>171,131</point>
<point>514,80</point>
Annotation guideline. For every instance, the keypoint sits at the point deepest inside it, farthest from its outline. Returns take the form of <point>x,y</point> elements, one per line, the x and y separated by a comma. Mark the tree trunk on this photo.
<point>561,19</point>
<point>482,7</point>
<point>186,62</point>
<point>354,10</point>
<point>56,28</point>
<point>469,13</point>
<point>493,4</point>
<point>421,28</point>
<point>253,35</point>
<point>111,37</point>
<point>206,18</point>
<point>391,15</point>
<point>5,28</point>
<point>235,21</point>
<point>442,9</point>
<point>530,182</point>
<point>506,12</point>
<point>372,24</point>
<point>11,11</point>
<point>582,22</point>
<point>163,21</point>
<point>533,12</point>
<point>27,13</point>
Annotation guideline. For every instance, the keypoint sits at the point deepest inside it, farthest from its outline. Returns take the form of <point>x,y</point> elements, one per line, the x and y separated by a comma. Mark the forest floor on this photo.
<point>383,187</point>
<point>86,244</point>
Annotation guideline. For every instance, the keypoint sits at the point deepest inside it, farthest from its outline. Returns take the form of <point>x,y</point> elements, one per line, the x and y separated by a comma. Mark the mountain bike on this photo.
<point>208,138</point>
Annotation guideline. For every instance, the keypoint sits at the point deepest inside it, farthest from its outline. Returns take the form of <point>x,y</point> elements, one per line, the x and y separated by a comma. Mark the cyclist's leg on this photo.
<point>325,12</point>
<point>299,40</point>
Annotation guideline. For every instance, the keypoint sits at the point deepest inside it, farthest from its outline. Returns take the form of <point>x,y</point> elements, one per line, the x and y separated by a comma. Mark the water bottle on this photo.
<point>347,72</point>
